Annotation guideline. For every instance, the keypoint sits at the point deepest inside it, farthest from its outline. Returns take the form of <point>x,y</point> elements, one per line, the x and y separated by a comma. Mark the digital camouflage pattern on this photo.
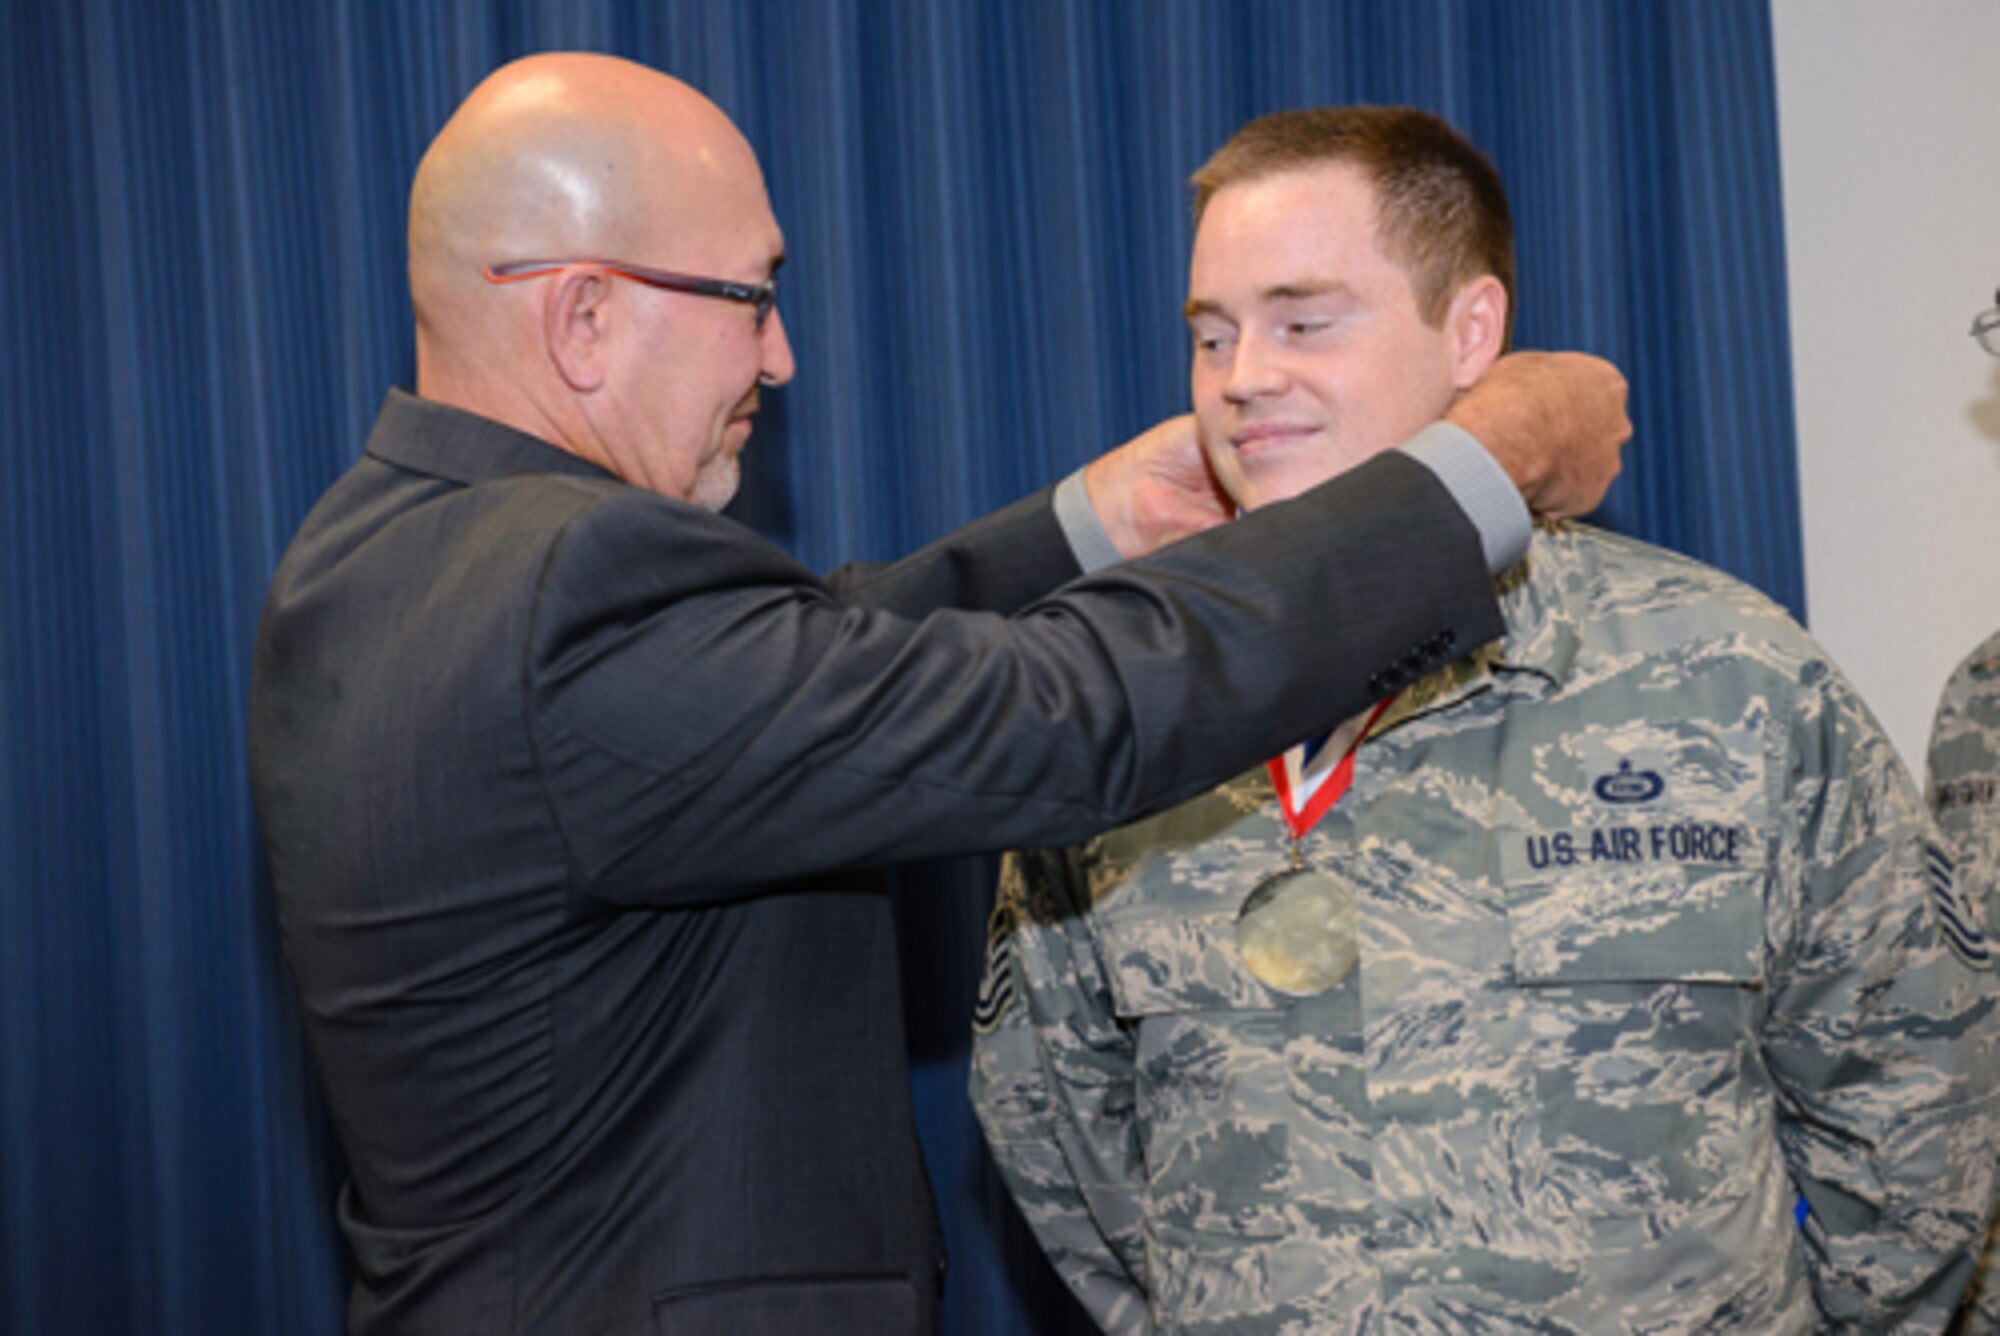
<point>1653,938</point>
<point>1964,790</point>
<point>1964,764</point>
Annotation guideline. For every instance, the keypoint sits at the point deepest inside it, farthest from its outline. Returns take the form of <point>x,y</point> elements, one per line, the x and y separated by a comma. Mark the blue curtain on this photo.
<point>200,271</point>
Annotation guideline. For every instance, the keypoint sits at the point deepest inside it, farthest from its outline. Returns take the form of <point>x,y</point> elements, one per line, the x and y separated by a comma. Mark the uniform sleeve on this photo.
<point>1963,783</point>
<point>1960,782</point>
<point>1052,1084</point>
<point>1881,1030</point>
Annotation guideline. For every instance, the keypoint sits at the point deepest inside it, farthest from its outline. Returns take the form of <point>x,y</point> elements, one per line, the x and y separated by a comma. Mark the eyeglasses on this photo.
<point>1986,327</point>
<point>763,296</point>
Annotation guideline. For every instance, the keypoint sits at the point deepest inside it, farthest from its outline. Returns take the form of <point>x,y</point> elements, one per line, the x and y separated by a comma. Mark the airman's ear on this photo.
<point>576,327</point>
<point>1477,323</point>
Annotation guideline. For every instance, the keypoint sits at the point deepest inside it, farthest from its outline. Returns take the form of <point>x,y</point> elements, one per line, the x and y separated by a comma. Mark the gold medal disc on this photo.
<point>1299,931</point>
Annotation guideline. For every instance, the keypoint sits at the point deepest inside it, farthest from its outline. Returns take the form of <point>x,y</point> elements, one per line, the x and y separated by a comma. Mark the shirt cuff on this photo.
<point>1089,542</point>
<point>1480,486</point>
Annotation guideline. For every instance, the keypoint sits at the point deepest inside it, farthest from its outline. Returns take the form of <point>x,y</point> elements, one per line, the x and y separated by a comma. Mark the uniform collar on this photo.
<point>1542,598</point>
<point>450,443</point>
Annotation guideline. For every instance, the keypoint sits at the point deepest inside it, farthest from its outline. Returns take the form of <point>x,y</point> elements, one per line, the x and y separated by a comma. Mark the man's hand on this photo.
<point>1555,422</point>
<point>1156,488</point>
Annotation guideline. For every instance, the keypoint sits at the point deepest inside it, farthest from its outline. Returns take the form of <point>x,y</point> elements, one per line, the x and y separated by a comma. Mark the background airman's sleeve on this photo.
<point>1052,1085</point>
<point>1963,784</point>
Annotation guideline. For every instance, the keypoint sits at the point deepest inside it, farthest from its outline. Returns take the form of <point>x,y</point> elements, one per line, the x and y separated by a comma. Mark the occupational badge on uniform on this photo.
<point>1958,918</point>
<point>1626,785</point>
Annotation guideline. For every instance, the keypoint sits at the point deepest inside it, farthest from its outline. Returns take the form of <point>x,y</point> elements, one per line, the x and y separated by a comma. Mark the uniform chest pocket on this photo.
<point>1166,895</point>
<point>1636,854</point>
<point>1640,989</point>
<point>1633,865</point>
<point>1208,1038</point>
<point>1222,1085</point>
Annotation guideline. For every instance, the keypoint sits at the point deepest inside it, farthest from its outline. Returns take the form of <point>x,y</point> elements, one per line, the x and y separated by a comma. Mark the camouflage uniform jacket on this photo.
<point>1964,790</point>
<point>1652,941</point>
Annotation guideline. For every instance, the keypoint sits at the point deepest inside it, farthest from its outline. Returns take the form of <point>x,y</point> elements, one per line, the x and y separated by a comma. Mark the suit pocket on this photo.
<point>824,1306</point>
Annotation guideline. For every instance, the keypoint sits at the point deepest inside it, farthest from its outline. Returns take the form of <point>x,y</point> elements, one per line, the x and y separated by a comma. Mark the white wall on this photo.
<point>1889,124</point>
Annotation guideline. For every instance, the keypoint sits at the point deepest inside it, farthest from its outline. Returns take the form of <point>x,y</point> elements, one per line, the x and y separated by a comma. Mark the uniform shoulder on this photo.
<point>1627,576</point>
<point>1621,556</point>
<point>1982,665</point>
<point>1618,600</point>
<point>1965,732</point>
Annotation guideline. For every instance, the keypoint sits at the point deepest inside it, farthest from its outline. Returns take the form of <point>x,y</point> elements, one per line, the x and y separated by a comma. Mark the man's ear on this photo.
<point>1477,322</point>
<point>576,327</point>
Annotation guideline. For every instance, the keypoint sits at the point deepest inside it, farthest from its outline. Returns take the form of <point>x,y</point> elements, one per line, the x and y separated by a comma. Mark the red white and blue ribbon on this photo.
<point>1304,799</point>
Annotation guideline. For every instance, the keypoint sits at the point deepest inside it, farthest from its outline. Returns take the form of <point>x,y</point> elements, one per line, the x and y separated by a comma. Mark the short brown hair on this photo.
<point>1440,210</point>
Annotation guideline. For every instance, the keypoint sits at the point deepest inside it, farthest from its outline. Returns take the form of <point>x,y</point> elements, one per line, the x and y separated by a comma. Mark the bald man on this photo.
<point>565,779</point>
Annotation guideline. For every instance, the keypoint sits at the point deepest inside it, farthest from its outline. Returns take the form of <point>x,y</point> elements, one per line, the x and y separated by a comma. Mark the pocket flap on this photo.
<point>1169,960</point>
<point>1647,923</point>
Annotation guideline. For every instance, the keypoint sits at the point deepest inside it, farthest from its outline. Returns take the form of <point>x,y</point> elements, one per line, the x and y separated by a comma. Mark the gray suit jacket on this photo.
<point>564,787</point>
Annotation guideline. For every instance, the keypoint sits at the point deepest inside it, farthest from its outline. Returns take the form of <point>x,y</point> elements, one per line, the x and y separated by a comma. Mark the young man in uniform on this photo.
<point>1538,995</point>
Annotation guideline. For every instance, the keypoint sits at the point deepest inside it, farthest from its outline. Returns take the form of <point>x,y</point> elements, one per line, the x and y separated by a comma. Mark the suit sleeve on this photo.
<point>1051,1081</point>
<point>707,717</point>
<point>999,563</point>
<point>1882,1030</point>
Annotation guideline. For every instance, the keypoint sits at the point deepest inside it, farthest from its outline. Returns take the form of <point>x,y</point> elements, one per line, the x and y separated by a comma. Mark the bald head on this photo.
<point>568,155</point>
<point>572,158</point>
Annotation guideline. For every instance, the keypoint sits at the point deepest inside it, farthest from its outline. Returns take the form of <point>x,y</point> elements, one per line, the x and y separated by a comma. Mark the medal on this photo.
<point>1299,931</point>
